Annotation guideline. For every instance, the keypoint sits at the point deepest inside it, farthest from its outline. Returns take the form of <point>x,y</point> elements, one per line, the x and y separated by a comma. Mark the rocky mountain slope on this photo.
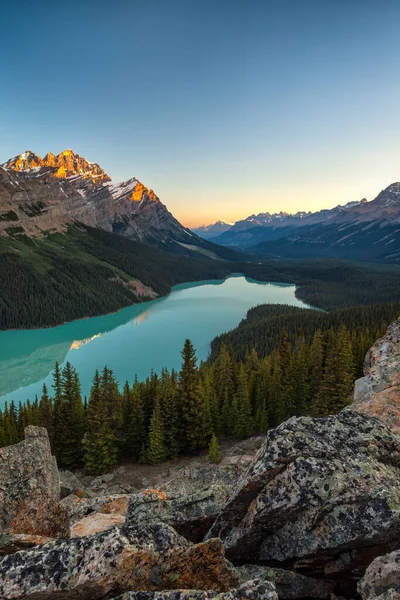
<point>41,196</point>
<point>209,231</point>
<point>358,230</point>
<point>316,514</point>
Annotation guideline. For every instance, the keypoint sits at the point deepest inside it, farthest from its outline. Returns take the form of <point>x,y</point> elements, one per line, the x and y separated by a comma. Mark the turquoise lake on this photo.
<point>134,340</point>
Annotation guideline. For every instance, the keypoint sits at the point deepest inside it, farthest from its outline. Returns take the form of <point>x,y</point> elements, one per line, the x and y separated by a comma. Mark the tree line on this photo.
<point>186,411</point>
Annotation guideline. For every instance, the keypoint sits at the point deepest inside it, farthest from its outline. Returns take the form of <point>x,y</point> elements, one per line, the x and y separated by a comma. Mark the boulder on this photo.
<point>191,515</point>
<point>96,523</point>
<point>25,467</point>
<point>378,392</point>
<point>251,590</point>
<point>199,477</point>
<point>13,542</point>
<point>322,497</point>
<point>149,557</point>
<point>83,507</point>
<point>382,578</point>
<point>41,515</point>
<point>69,484</point>
<point>289,584</point>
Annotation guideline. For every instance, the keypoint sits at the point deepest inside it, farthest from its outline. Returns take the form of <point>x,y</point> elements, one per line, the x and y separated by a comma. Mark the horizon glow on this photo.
<point>224,109</point>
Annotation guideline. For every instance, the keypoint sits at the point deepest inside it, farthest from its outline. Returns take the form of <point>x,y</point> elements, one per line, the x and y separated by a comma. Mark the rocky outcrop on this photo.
<point>41,515</point>
<point>39,196</point>
<point>96,523</point>
<point>190,515</point>
<point>69,484</point>
<point>378,392</point>
<point>149,557</point>
<point>289,584</point>
<point>382,578</point>
<point>14,542</point>
<point>24,468</point>
<point>322,496</point>
<point>63,165</point>
<point>251,590</point>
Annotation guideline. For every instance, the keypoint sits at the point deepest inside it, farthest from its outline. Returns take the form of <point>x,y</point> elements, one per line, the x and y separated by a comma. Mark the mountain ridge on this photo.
<point>359,230</point>
<point>42,196</point>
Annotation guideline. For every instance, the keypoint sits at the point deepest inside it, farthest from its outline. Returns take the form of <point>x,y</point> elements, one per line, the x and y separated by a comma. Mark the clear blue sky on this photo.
<point>223,107</point>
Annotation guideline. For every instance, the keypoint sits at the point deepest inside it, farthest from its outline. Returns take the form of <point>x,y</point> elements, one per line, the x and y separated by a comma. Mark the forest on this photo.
<point>245,388</point>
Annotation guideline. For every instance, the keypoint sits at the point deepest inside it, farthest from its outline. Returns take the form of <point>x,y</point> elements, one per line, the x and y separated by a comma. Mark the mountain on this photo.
<point>42,196</point>
<point>210,231</point>
<point>359,230</point>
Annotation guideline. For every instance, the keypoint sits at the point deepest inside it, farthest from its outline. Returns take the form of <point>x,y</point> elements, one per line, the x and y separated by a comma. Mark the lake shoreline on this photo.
<point>136,339</point>
<point>159,297</point>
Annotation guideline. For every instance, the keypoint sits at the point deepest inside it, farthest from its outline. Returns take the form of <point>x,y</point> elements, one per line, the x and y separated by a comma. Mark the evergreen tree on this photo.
<point>156,450</point>
<point>214,454</point>
<point>244,421</point>
<point>191,402</point>
<point>100,443</point>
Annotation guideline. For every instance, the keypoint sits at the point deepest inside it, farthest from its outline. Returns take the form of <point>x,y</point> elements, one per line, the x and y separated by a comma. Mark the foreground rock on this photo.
<point>95,524</point>
<point>289,585</point>
<point>252,590</point>
<point>382,578</point>
<point>42,516</point>
<point>378,392</point>
<point>13,542</point>
<point>26,467</point>
<point>70,484</point>
<point>322,497</point>
<point>191,515</point>
<point>150,557</point>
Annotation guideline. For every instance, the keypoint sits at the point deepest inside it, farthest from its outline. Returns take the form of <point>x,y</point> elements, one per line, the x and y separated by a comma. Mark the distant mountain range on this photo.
<point>41,196</point>
<point>359,230</point>
<point>209,231</point>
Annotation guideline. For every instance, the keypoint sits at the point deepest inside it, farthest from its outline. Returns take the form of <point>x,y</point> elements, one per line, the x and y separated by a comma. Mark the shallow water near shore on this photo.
<point>136,339</point>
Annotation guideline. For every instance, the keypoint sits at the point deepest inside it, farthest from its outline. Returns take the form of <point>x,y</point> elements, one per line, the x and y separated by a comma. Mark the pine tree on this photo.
<point>214,454</point>
<point>156,451</point>
<point>244,421</point>
<point>170,414</point>
<point>191,402</point>
<point>100,443</point>
<point>71,420</point>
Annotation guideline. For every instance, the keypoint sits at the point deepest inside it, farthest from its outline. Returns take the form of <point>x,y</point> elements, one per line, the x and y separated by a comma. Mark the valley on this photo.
<point>135,341</point>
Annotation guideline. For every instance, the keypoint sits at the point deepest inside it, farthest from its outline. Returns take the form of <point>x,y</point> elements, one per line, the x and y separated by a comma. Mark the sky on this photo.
<point>224,107</point>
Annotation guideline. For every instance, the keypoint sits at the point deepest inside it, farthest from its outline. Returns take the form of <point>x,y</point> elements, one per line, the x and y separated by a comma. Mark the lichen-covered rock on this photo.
<point>69,484</point>
<point>96,523</point>
<point>250,590</point>
<point>199,477</point>
<point>378,392</point>
<point>25,467</point>
<point>79,508</point>
<point>41,515</point>
<point>13,542</point>
<point>191,515</point>
<point>321,495</point>
<point>289,584</point>
<point>148,557</point>
<point>382,578</point>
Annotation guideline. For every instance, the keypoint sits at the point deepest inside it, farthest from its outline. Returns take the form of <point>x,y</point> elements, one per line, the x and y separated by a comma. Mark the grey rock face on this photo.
<point>26,467</point>
<point>251,590</point>
<point>289,585</point>
<point>190,515</point>
<point>69,483</point>
<point>151,557</point>
<point>378,392</point>
<point>322,495</point>
<point>382,578</point>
